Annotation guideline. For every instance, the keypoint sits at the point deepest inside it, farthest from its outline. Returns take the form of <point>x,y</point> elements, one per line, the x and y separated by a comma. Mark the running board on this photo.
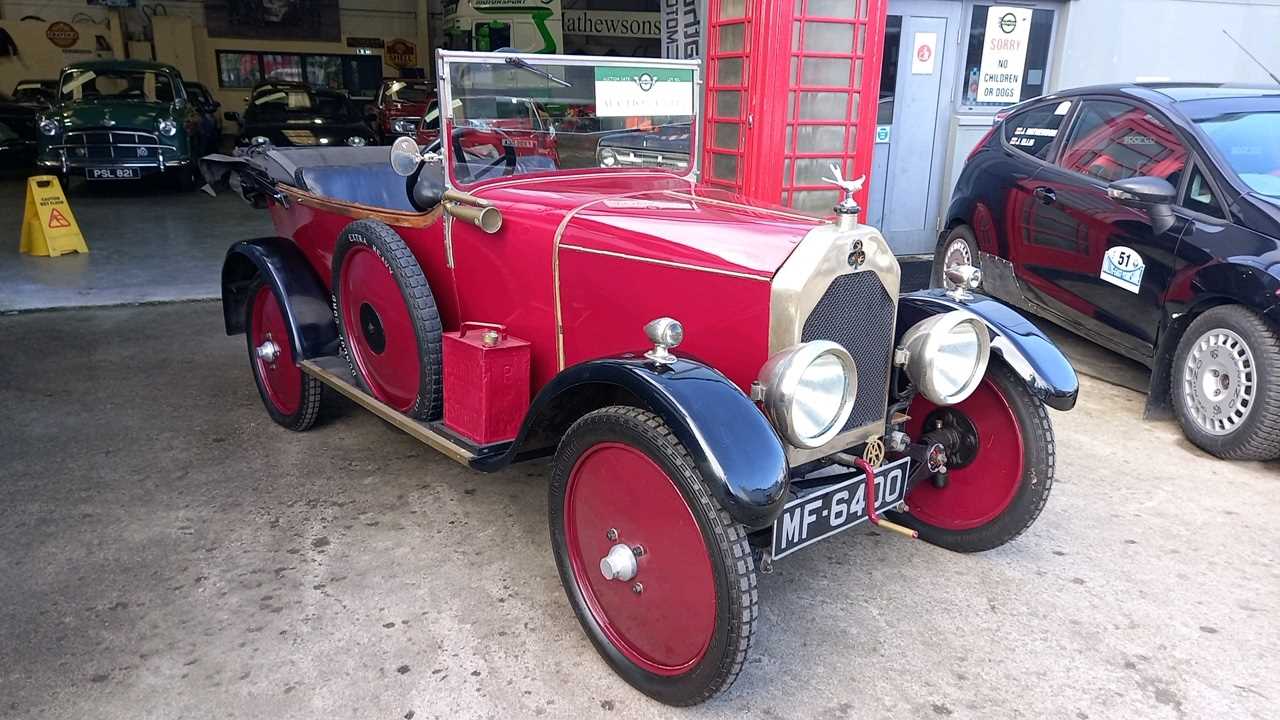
<point>333,372</point>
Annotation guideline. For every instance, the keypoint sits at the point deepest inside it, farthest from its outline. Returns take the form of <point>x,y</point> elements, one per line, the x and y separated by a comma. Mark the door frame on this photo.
<point>953,12</point>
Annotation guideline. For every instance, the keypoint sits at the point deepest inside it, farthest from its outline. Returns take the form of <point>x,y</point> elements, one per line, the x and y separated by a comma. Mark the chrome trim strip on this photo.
<point>668,263</point>
<point>555,267</point>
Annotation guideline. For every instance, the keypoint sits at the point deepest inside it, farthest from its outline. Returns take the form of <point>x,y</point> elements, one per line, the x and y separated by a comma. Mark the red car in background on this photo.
<point>400,107</point>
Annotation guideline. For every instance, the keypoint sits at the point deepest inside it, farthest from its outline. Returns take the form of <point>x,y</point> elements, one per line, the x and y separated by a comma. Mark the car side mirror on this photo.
<point>1155,195</point>
<point>231,116</point>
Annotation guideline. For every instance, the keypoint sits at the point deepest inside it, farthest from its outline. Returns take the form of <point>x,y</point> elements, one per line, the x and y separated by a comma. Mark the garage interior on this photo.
<point>166,551</point>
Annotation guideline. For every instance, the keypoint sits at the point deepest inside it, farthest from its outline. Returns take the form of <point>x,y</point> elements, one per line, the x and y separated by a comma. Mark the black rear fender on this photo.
<point>304,298</point>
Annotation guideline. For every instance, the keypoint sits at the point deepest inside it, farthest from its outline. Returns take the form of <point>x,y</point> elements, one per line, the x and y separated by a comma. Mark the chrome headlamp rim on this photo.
<point>167,127</point>
<point>50,127</point>
<point>923,343</point>
<point>780,378</point>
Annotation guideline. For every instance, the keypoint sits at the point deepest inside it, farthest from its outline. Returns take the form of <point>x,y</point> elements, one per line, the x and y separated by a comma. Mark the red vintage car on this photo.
<point>722,383</point>
<point>399,108</point>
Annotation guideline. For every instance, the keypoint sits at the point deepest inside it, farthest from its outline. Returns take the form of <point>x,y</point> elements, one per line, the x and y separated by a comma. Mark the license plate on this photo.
<point>831,510</point>
<point>124,173</point>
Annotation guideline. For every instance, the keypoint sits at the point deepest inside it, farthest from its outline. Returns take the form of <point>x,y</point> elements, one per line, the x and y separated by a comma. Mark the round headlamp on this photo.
<point>608,158</point>
<point>356,141</point>
<point>168,128</point>
<point>260,140</point>
<point>809,391</point>
<point>404,127</point>
<point>948,355</point>
<point>49,126</point>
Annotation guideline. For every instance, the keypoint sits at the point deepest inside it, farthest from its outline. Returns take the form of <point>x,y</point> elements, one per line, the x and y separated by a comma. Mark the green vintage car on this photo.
<point>120,120</point>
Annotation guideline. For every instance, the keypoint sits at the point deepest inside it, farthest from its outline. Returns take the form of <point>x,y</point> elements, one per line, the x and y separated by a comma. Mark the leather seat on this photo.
<point>373,185</point>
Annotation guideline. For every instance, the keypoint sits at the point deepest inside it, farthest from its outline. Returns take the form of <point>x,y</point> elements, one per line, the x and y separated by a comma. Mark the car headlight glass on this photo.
<point>168,128</point>
<point>407,127</point>
<point>260,140</point>
<point>948,355</point>
<point>608,158</point>
<point>809,391</point>
<point>49,126</point>
<point>356,141</point>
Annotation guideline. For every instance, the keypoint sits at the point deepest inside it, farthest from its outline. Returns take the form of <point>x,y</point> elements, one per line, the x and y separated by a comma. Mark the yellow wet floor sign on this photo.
<point>48,227</point>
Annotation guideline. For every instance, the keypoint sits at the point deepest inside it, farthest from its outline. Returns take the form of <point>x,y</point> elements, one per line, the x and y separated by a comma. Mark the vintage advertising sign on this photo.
<point>1004,54</point>
<point>401,53</point>
<point>925,50</point>
<point>62,34</point>
<point>628,91</point>
<point>612,23</point>
<point>681,30</point>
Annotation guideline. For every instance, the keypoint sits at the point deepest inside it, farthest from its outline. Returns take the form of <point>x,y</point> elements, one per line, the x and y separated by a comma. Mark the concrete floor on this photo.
<point>147,243</point>
<point>168,552</point>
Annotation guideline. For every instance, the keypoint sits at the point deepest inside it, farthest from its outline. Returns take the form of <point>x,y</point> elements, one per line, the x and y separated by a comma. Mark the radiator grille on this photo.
<point>857,313</point>
<point>112,145</point>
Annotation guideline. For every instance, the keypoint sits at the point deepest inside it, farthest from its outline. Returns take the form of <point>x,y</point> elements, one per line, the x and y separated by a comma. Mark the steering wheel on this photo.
<point>462,167</point>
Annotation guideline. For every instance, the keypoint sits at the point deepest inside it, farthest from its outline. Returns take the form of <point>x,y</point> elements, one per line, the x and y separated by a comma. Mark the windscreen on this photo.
<point>1250,141</point>
<point>515,117</point>
<point>416,93</point>
<point>142,85</point>
<point>286,101</point>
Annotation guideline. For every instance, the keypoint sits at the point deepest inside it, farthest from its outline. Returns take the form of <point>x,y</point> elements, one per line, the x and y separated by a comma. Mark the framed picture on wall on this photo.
<point>274,19</point>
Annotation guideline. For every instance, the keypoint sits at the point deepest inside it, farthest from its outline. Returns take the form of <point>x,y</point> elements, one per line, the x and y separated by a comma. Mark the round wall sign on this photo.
<point>62,34</point>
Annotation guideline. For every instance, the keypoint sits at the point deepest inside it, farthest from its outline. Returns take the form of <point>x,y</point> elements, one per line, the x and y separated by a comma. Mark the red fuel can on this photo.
<point>486,382</point>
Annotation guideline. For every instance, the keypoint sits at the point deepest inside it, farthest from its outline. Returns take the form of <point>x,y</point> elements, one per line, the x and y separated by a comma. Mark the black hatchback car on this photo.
<point>1145,217</point>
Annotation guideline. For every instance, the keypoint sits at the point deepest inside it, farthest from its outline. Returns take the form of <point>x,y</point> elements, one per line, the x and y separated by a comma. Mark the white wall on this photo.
<point>1124,40</point>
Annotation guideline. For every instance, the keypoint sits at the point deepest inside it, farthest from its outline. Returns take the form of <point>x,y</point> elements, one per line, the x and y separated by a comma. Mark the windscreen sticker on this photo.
<point>1123,267</point>
<point>640,91</point>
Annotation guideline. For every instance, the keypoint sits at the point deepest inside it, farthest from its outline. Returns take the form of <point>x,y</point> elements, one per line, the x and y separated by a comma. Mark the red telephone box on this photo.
<point>792,86</point>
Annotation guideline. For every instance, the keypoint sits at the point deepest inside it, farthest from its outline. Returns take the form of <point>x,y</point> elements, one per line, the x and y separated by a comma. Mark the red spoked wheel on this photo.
<point>387,319</point>
<point>1000,452</point>
<point>291,397</point>
<point>660,577</point>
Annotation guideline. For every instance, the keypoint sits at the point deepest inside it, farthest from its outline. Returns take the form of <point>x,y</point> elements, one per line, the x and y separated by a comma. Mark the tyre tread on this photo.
<point>395,253</point>
<point>730,540</point>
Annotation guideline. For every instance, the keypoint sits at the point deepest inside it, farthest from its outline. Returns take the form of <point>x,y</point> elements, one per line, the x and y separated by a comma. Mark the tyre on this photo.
<point>998,480</point>
<point>625,491</point>
<point>387,319</point>
<point>291,397</point>
<point>959,247</point>
<point>1225,384</point>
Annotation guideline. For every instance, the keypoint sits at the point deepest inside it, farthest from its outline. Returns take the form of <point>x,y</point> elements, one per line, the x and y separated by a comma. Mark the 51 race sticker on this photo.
<point>1123,267</point>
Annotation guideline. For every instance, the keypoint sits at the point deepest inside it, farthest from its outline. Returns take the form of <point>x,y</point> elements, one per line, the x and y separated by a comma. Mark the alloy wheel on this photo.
<point>1219,381</point>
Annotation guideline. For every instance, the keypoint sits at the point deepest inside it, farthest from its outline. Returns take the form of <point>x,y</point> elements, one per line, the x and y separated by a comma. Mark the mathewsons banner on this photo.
<point>627,91</point>
<point>1004,54</point>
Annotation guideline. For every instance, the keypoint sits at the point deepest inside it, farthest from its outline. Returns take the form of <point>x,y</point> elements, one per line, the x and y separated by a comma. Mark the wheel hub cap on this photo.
<point>268,351</point>
<point>1219,381</point>
<point>619,564</point>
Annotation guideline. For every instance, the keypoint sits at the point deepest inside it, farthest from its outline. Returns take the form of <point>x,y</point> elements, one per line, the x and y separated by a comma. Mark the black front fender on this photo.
<point>303,297</point>
<point>734,447</point>
<point>1029,352</point>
